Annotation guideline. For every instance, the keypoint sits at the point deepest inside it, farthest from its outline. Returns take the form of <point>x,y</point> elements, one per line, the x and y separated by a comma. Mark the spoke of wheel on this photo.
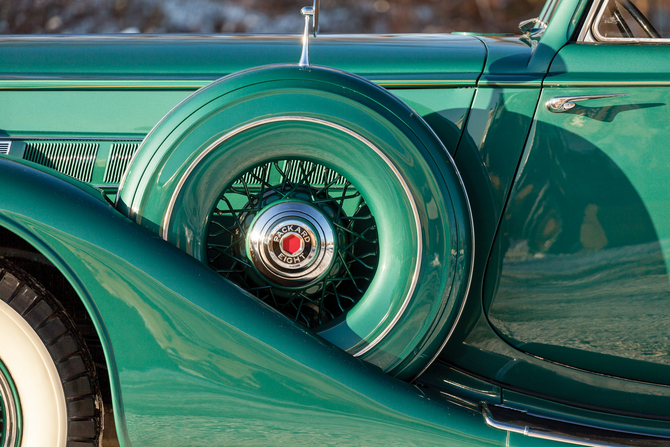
<point>305,179</point>
<point>326,187</point>
<point>369,267</point>
<point>223,228</point>
<point>339,302</point>
<point>341,199</point>
<point>346,267</point>
<point>263,182</point>
<point>284,176</point>
<point>266,176</point>
<point>338,199</point>
<point>237,220</point>
<point>301,182</point>
<point>224,251</point>
<point>246,188</point>
<point>353,233</point>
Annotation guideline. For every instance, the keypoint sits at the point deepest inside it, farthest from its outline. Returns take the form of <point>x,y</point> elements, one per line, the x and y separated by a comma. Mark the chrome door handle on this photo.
<point>561,104</point>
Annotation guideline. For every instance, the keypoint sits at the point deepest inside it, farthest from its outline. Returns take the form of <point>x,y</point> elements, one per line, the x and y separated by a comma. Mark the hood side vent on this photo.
<point>319,176</point>
<point>4,147</point>
<point>74,159</point>
<point>120,156</point>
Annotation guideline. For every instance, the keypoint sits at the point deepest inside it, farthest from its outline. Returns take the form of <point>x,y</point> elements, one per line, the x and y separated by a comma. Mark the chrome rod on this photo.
<point>541,433</point>
<point>307,12</point>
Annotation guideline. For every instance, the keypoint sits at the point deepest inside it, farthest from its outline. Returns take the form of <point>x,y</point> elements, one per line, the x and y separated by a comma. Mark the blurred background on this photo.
<point>261,16</point>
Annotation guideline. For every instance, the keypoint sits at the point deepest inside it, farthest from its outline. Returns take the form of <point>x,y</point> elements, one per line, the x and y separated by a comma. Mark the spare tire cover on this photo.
<point>416,280</point>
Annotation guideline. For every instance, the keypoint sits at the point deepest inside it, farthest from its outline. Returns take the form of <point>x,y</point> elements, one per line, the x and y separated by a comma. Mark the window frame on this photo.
<point>590,34</point>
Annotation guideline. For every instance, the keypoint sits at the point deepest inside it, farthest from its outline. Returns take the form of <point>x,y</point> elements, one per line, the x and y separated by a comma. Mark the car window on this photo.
<point>633,19</point>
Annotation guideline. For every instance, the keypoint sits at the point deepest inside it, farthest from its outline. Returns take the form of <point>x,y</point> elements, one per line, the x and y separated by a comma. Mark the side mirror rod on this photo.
<point>307,12</point>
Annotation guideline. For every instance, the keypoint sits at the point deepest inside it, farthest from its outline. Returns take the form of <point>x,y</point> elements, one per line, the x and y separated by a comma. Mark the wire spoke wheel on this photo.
<point>321,194</point>
<point>298,184</point>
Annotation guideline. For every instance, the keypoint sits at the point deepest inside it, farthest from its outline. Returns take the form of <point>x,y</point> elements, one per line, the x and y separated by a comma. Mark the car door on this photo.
<point>582,275</point>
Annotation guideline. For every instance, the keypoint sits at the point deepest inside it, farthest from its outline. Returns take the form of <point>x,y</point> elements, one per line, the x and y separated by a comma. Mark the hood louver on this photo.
<point>74,159</point>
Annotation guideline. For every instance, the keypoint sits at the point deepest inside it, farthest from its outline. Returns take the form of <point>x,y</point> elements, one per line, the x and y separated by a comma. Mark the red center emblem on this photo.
<point>291,243</point>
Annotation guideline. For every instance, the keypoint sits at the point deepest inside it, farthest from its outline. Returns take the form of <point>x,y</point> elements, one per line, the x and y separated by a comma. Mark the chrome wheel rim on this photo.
<point>328,265</point>
<point>9,410</point>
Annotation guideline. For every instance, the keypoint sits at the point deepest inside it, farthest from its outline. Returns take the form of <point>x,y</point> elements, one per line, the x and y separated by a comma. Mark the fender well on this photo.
<point>31,253</point>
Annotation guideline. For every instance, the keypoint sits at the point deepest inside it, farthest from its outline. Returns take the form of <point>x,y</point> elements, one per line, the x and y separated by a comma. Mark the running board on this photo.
<point>522,422</point>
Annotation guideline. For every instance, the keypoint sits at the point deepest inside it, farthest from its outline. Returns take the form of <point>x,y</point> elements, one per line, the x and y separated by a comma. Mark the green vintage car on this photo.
<point>421,240</point>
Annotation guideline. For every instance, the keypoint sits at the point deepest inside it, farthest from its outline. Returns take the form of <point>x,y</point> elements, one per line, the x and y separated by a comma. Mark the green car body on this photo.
<point>521,290</point>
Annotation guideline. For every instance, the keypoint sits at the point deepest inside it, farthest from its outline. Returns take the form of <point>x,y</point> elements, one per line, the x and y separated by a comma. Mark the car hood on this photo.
<point>405,60</point>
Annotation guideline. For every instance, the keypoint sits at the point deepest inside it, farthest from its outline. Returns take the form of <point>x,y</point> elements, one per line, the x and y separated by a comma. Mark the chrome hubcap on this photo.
<point>291,244</point>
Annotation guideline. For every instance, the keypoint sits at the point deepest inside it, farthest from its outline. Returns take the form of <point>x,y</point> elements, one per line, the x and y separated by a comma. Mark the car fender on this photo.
<point>175,333</point>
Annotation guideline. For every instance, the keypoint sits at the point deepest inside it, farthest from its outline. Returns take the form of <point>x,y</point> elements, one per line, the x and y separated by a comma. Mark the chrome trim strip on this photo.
<point>552,436</point>
<point>60,138</point>
<point>585,33</point>
<point>534,433</point>
<point>375,149</point>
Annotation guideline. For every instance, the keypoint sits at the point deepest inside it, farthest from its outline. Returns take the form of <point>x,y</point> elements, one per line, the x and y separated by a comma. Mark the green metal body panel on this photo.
<point>567,308</point>
<point>594,231</point>
<point>585,301</point>
<point>189,62</point>
<point>193,366</point>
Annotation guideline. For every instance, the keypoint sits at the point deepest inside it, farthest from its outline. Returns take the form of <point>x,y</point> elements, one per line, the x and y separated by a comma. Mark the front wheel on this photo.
<point>48,393</point>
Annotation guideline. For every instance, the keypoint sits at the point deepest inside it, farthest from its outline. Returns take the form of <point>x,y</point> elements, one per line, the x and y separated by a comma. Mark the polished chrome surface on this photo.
<point>585,34</point>
<point>4,147</point>
<point>561,104</point>
<point>527,25</point>
<point>270,229</point>
<point>588,435</point>
<point>10,412</point>
<point>307,12</point>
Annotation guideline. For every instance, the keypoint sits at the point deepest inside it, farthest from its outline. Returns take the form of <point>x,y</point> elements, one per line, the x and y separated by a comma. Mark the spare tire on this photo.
<point>323,195</point>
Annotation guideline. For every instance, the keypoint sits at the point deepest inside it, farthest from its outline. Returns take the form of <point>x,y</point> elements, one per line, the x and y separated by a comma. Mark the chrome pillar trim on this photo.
<point>560,104</point>
<point>165,231</point>
<point>291,219</point>
<point>5,146</point>
<point>10,416</point>
<point>585,34</point>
